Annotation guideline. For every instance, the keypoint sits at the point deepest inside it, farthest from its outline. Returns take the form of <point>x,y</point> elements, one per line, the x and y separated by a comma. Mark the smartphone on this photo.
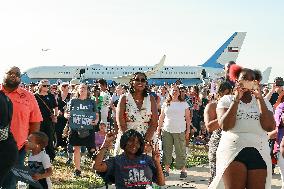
<point>251,85</point>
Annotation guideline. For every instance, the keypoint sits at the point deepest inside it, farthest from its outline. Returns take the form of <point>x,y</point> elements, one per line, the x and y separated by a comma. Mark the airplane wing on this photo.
<point>156,67</point>
<point>266,75</point>
<point>149,73</point>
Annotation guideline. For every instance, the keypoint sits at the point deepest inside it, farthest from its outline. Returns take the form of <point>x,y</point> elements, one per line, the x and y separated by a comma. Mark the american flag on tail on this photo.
<point>233,49</point>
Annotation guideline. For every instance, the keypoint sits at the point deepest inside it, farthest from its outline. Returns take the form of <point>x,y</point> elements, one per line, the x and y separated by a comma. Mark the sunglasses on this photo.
<point>143,80</point>
<point>45,85</point>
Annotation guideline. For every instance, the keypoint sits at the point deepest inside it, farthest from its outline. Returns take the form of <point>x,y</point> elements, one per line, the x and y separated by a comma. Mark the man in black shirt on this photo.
<point>8,147</point>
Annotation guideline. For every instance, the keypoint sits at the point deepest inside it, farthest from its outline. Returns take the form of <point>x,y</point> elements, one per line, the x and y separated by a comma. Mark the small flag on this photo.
<point>233,49</point>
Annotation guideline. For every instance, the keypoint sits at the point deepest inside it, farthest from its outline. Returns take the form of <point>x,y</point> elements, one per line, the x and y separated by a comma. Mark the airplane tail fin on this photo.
<point>229,51</point>
<point>266,75</point>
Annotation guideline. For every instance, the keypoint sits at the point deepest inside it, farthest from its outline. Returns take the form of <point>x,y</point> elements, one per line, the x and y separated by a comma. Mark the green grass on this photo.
<point>198,155</point>
<point>63,174</point>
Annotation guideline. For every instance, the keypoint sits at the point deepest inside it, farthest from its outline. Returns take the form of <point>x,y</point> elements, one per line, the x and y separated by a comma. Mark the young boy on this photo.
<point>39,161</point>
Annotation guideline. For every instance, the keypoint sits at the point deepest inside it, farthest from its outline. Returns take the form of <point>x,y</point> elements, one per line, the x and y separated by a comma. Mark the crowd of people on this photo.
<point>135,128</point>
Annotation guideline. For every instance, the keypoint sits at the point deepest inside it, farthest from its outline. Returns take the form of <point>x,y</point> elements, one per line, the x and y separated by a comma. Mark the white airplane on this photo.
<point>158,74</point>
<point>266,75</point>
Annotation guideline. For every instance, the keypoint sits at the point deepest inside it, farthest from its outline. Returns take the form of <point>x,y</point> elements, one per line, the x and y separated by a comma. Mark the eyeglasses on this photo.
<point>45,85</point>
<point>142,80</point>
<point>182,91</point>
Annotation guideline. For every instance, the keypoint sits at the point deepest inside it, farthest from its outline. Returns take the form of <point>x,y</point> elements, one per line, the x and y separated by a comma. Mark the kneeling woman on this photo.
<point>131,169</point>
<point>243,155</point>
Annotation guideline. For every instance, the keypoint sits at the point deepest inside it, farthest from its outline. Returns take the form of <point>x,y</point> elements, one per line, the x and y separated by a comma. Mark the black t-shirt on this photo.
<point>6,110</point>
<point>63,103</point>
<point>49,100</point>
<point>137,173</point>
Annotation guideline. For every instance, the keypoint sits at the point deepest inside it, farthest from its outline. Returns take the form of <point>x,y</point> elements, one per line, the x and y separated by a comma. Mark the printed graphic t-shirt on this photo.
<point>38,163</point>
<point>140,172</point>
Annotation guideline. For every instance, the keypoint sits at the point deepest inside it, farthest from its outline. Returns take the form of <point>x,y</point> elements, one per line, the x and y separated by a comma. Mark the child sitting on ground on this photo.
<point>203,136</point>
<point>39,161</point>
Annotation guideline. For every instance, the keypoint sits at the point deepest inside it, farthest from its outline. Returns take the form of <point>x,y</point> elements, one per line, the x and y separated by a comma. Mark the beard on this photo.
<point>11,84</point>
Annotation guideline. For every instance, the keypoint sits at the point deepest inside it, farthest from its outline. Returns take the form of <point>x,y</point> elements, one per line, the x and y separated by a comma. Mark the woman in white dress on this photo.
<point>243,155</point>
<point>137,110</point>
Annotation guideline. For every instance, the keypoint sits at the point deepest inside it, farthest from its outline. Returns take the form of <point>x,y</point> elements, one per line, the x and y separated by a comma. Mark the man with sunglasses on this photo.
<point>26,116</point>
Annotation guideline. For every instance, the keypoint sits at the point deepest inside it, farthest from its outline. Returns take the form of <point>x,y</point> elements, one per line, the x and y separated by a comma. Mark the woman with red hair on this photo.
<point>245,119</point>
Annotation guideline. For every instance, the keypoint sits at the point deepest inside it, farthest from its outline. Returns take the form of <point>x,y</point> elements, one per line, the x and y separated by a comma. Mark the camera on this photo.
<point>279,81</point>
<point>251,85</point>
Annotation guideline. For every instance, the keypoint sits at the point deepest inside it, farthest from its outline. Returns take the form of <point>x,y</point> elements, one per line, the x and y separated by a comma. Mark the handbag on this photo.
<point>52,116</point>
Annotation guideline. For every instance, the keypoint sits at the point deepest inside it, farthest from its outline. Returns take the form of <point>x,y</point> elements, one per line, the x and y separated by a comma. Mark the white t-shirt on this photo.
<point>247,114</point>
<point>39,163</point>
<point>174,121</point>
<point>247,132</point>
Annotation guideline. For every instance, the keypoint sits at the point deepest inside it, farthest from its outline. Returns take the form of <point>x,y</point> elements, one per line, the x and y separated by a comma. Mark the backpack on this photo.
<point>6,111</point>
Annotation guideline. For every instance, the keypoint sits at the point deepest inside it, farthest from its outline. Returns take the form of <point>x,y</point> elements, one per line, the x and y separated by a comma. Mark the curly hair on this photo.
<point>236,70</point>
<point>132,133</point>
<point>146,89</point>
<point>41,138</point>
<point>257,74</point>
<point>223,87</point>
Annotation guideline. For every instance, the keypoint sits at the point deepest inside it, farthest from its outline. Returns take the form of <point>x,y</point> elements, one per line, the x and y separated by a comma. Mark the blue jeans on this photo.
<point>10,181</point>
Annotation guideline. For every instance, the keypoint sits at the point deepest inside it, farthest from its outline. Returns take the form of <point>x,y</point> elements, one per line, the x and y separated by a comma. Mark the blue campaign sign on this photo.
<point>24,174</point>
<point>80,119</point>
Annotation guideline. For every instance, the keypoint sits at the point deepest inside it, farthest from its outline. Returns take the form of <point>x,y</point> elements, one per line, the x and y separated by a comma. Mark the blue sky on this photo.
<point>138,32</point>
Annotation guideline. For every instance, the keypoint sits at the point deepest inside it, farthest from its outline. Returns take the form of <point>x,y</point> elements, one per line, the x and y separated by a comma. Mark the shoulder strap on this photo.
<point>44,103</point>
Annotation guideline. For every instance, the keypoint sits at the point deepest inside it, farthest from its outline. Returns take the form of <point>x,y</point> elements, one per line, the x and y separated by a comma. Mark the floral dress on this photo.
<point>138,119</point>
<point>135,119</point>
